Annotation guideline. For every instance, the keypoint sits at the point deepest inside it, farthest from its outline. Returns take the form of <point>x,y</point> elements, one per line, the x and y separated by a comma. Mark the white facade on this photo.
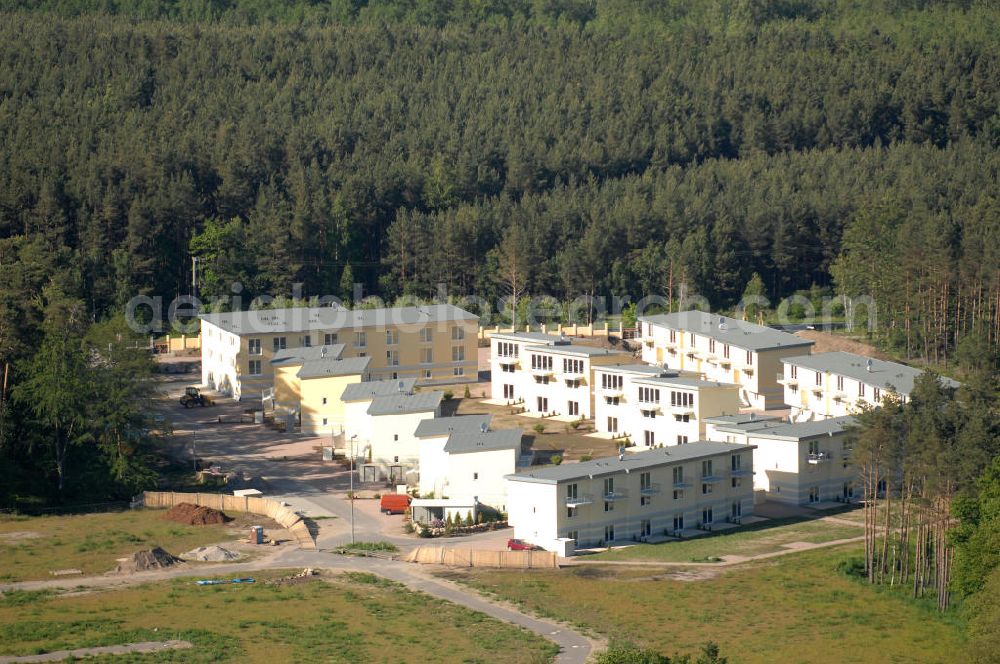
<point>620,499</point>
<point>799,463</point>
<point>558,380</point>
<point>508,380</point>
<point>722,349</point>
<point>838,384</point>
<point>469,466</point>
<point>658,410</point>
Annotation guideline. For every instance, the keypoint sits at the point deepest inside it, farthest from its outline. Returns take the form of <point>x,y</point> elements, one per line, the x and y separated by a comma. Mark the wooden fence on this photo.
<point>439,555</point>
<point>273,509</point>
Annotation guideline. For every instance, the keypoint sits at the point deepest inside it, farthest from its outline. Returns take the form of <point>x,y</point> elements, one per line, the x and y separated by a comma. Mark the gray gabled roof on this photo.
<point>531,337</point>
<point>443,426</point>
<point>640,369</point>
<point>742,418</point>
<point>304,319</point>
<point>683,382</point>
<point>502,439</point>
<point>748,336</point>
<point>633,462</point>
<point>884,375</point>
<point>577,351</point>
<point>370,389</point>
<point>781,430</point>
<point>400,404</point>
<point>292,356</point>
<point>332,367</point>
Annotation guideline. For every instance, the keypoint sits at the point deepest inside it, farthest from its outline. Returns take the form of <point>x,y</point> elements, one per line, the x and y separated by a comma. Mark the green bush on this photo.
<point>556,460</point>
<point>539,428</point>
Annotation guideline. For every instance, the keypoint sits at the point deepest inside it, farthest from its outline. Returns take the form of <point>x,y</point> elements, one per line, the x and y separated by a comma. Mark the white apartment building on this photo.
<point>471,466</point>
<point>506,351</point>
<point>722,349</point>
<point>838,383</point>
<point>556,380</point>
<point>431,343</point>
<point>669,491</point>
<point>800,463</point>
<point>656,408</point>
<point>433,436</point>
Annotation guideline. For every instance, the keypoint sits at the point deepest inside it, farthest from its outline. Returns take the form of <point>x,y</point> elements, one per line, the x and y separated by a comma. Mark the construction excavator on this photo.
<point>192,397</point>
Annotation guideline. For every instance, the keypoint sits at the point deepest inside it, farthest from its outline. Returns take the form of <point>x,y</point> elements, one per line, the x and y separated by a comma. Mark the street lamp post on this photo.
<point>352,487</point>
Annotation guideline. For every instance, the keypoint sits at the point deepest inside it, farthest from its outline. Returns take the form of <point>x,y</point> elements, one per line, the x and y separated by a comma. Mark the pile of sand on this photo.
<point>195,515</point>
<point>210,554</point>
<point>155,558</point>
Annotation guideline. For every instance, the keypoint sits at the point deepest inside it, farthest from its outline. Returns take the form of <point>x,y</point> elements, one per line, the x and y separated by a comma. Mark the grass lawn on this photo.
<point>32,546</point>
<point>348,618</point>
<point>793,609</point>
<point>759,538</point>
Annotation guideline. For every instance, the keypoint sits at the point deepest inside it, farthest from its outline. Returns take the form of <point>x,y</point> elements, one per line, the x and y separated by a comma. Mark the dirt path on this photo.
<point>575,648</point>
<point>59,655</point>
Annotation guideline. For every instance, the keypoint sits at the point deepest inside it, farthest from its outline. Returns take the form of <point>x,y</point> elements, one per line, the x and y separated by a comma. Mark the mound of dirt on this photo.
<point>155,558</point>
<point>210,554</point>
<point>195,515</point>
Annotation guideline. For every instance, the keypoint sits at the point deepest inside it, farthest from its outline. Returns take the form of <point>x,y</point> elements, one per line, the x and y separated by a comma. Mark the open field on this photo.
<point>337,618</point>
<point>792,609</point>
<point>31,547</point>
<point>760,538</point>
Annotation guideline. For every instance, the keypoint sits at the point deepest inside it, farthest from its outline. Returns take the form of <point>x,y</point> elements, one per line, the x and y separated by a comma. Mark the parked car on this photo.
<point>521,545</point>
<point>394,503</point>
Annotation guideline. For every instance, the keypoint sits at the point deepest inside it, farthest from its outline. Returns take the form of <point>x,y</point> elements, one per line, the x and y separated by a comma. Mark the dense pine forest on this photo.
<point>601,147</point>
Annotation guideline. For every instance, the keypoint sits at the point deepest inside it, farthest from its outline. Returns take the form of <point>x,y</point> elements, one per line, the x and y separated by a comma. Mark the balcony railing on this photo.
<point>618,494</point>
<point>650,489</point>
<point>576,501</point>
<point>681,484</point>
<point>818,457</point>
<point>782,380</point>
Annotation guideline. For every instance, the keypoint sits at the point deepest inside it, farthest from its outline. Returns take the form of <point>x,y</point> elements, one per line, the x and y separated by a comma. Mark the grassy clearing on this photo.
<point>31,547</point>
<point>792,609</point>
<point>764,537</point>
<point>351,618</point>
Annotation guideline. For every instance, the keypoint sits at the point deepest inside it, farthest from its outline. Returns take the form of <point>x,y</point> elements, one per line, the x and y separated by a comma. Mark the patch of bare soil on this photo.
<point>18,536</point>
<point>195,515</point>
<point>826,342</point>
<point>155,558</point>
<point>307,575</point>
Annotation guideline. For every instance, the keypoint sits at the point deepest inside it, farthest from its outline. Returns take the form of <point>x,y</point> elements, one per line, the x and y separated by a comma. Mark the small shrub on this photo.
<point>556,460</point>
<point>575,424</point>
<point>586,457</point>
<point>448,395</point>
<point>467,393</point>
<point>468,519</point>
<point>539,428</point>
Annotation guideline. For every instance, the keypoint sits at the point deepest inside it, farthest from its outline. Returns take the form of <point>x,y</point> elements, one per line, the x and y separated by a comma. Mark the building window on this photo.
<point>508,391</point>
<point>395,437</point>
<point>426,355</point>
<point>280,343</point>
<point>392,358</point>
<point>457,333</point>
<point>686,417</point>
<point>649,414</point>
<point>678,474</point>
<point>819,378</point>
<point>571,491</point>
<point>861,389</point>
<point>706,488</point>
<point>570,512</point>
<point>877,395</point>
<point>362,354</point>
<point>573,535</point>
<point>711,345</point>
<point>814,494</point>
<point>572,366</point>
<point>678,494</point>
<point>682,440</point>
<point>649,438</point>
<point>426,335</point>
<point>737,482</point>
<point>507,368</point>
<point>392,337</point>
<point>737,509</point>
<point>682,399</point>
<point>361,340</point>
<point>706,516</point>
<point>543,404</point>
<point>573,407</point>
<point>678,522</point>
<point>840,382</point>
<point>611,381</point>
<point>749,358</point>
<point>612,401</point>
<point>673,336</point>
<point>725,351</point>
<point>253,346</point>
<point>475,476</point>
<point>645,500</point>
<point>306,341</point>
<point>324,401</point>
<point>649,395</point>
<point>609,533</point>
<point>609,506</point>
<point>427,373</point>
<point>794,371</point>
<point>254,367</point>
<point>541,362</point>
<point>645,528</point>
<point>324,421</point>
<point>609,486</point>
<point>458,371</point>
<point>736,462</point>
<point>329,338</point>
<point>613,424</point>
<point>694,340</point>
<point>506,349</point>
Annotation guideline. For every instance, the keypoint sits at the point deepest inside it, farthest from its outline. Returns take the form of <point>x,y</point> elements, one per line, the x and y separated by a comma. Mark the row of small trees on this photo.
<point>915,458</point>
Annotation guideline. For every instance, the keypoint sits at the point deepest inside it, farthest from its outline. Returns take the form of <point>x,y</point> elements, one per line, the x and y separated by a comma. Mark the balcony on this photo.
<point>786,381</point>
<point>649,407</point>
<point>740,472</point>
<point>648,341</point>
<point>540,371</point>
<point>681,484</point>
<point>507,359</point>
<point>619,494</point>
<point>748,370</point>
<point>612,392</point>
<point>577,501</point>
<point>650,489</point>
<point>818,457</point>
